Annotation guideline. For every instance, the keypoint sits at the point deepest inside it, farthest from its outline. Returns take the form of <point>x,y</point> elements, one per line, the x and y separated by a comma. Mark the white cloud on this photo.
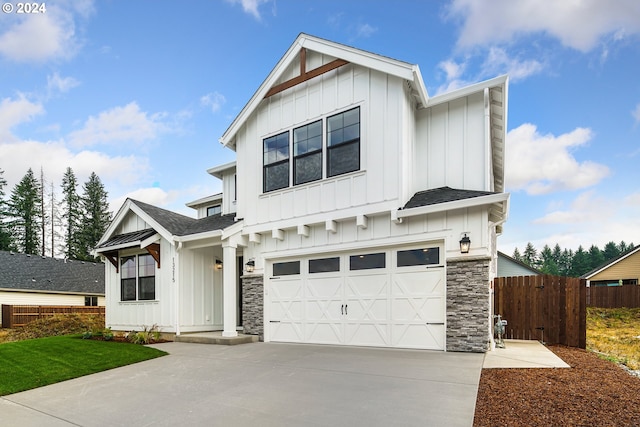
<point>636,113</point>
<point>154,196</point>
<point>581,210</point>
<point>57,84</point>
<point>55,157</point>
<point>16,111</point>
<point>119,124</point>
<point>577,24</point>
<point>214,100</point>
<point>499,62</point>
<point>250,6</point>
<point>365,30</point>
<point>541,164</point>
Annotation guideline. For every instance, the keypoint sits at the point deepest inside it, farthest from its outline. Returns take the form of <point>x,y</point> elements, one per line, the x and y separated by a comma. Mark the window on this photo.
<point>343,142</point>
<point>286,268</point>
<point>367,262</point>
<point>137,284</point>
<point>308,165</point>
<point>424,256</point>
<point>214,210</point>
<point>276,162</point>
<point>91,301</point>
<point>307,153</point>
<point>324,265</point>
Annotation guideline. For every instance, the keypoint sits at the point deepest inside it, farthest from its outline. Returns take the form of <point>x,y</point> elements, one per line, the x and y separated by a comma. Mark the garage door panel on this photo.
<point>425,282</point>
<point>367,334</point>
<point>418,309</point>
<point>322,310</point>
<point>286,289</point>
<point>323,332</point>
<point>428,337</point>
<point>367,310</point>
<point>286,331</point>
<point>367,285</point>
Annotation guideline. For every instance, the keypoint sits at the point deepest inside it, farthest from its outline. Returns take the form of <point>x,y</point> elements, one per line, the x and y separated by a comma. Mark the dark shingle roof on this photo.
<point>442,195</point>
<point>36,273</point>
<point>122,239</point>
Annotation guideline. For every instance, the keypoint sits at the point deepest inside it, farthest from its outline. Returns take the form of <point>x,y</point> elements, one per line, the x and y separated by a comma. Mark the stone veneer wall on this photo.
<point>253,305</point>
<point>468,305</point>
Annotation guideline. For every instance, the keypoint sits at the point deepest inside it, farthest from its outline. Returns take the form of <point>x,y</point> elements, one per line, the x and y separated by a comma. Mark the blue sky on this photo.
<point>140,92</point>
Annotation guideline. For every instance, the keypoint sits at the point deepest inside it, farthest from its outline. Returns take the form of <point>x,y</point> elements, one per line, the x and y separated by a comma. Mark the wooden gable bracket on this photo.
<point>304,75</point>
<point>154,251</point>
<point>113,259</point>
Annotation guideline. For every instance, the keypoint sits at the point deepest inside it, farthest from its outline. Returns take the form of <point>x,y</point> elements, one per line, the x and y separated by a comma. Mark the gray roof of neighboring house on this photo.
<point>502,255</point>
<point>35,273</point>
<point>442,195</point>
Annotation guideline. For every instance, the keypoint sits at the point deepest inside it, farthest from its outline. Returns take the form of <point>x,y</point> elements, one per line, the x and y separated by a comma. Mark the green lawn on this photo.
<point>34,363</point>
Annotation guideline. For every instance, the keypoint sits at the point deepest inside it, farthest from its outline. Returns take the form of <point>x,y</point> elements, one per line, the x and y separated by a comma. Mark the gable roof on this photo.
<point>404,70</point>
<point>610,263</point>
<point>162,221</point>
<point>33,273</point>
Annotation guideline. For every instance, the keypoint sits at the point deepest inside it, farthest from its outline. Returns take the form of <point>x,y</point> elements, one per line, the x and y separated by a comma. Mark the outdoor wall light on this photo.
<point>250,266</point>
<point>218,264</point>
<point>465,243</point>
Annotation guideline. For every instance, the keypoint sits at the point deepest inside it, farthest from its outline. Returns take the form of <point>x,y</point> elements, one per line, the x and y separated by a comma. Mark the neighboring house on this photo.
<point>622,270</point>
<point>35,280</point>
<point>511,267</point>
<point>341,220</point>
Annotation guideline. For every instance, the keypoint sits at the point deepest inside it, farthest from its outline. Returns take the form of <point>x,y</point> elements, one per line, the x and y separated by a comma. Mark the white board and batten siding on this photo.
<point>380,97</point>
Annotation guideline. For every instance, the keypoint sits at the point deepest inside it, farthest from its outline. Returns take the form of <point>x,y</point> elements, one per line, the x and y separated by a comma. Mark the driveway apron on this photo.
<point>264,384</point>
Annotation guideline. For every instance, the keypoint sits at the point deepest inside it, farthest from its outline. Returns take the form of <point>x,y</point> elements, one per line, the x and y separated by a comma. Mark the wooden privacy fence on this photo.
<point>550,309</point>
<point>19,315</point>
<point>614,296</point>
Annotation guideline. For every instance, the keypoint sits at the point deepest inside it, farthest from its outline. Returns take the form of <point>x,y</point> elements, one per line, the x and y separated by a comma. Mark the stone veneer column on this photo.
<point>253,305</point>
<point>468,305</point>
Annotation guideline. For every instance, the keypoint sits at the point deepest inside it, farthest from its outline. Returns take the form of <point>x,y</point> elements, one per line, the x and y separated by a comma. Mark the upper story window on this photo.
<point>343,142</point>
<point>307,153</point>
<point>214,210</point>
<point>337,135</point>
<point>137,278</point>
<point>276,162</point>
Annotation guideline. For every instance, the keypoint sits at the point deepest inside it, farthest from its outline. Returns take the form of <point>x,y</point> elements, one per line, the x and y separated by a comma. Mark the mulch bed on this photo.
<point>593,392</point>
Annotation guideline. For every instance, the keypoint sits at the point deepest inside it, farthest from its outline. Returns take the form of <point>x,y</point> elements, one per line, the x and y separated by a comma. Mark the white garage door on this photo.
<point>382,298</point>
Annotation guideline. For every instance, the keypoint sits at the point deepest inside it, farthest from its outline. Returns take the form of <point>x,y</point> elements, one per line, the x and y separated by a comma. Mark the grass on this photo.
<point>614,333</point>
<point>38,362</point>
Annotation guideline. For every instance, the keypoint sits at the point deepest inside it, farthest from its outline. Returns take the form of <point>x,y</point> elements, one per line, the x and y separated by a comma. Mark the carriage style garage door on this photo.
<point>382,298</point>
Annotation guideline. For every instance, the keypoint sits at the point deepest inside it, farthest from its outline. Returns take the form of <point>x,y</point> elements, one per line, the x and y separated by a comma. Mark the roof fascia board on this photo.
<point>456,204</point>
<point>115,222</point>
<point>466,91</point>
<point>232,230</point>
<point>137,243</point>
<point>150,240</point>
<point>198,236</point>
<point>202,200</point>
<point>218,171</point>
<point>612,263</point>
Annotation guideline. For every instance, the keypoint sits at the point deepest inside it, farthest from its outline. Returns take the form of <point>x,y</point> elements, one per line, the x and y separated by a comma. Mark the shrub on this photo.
<point>60,324</point>
<point>146,336</point>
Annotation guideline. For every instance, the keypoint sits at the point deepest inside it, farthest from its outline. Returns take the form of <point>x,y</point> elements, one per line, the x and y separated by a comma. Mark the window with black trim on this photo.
<point>276,162</point>
<point>324,265</point>
<point>424,256</point>
<point>307,153</point>
<point>91,301</point>
<point>368,261</point>
<point>214,210</point>
<point>343,142</point>
<point>137,282</point>
<point>286,268</point>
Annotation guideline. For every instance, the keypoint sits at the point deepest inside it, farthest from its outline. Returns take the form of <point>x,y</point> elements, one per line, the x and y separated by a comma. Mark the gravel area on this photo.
<point>593,392</point>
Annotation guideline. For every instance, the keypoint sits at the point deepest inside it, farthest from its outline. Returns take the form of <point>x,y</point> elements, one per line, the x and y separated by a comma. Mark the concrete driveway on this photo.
<point>263,384</point>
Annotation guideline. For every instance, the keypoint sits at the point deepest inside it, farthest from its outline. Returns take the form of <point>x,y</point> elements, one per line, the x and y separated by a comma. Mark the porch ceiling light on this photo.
<point>218,264</point>
<point>465,243</point>
<point>250,266</point>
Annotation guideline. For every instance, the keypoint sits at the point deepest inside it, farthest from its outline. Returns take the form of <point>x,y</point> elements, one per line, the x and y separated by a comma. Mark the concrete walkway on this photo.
<point>522,354</point>
<point>262,384</point>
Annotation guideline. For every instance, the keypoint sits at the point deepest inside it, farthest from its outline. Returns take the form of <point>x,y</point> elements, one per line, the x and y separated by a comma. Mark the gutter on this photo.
<point>447,206</point>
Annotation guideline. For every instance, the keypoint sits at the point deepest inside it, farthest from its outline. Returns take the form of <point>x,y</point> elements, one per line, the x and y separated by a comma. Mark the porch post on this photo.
<point>229,275</point>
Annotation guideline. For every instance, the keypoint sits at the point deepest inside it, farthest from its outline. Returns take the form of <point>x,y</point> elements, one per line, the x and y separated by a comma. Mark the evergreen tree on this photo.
<point>25,215</point>
<point>96,215</point>
<point>42,212</point>
<point>596,258</point>
<point>611,251</point>
<point>516,255</point>
<point>530,256</point>
<point>580,263</point>
<point>548,264</point>
<point>5,235</point>
<point>71,216</point>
